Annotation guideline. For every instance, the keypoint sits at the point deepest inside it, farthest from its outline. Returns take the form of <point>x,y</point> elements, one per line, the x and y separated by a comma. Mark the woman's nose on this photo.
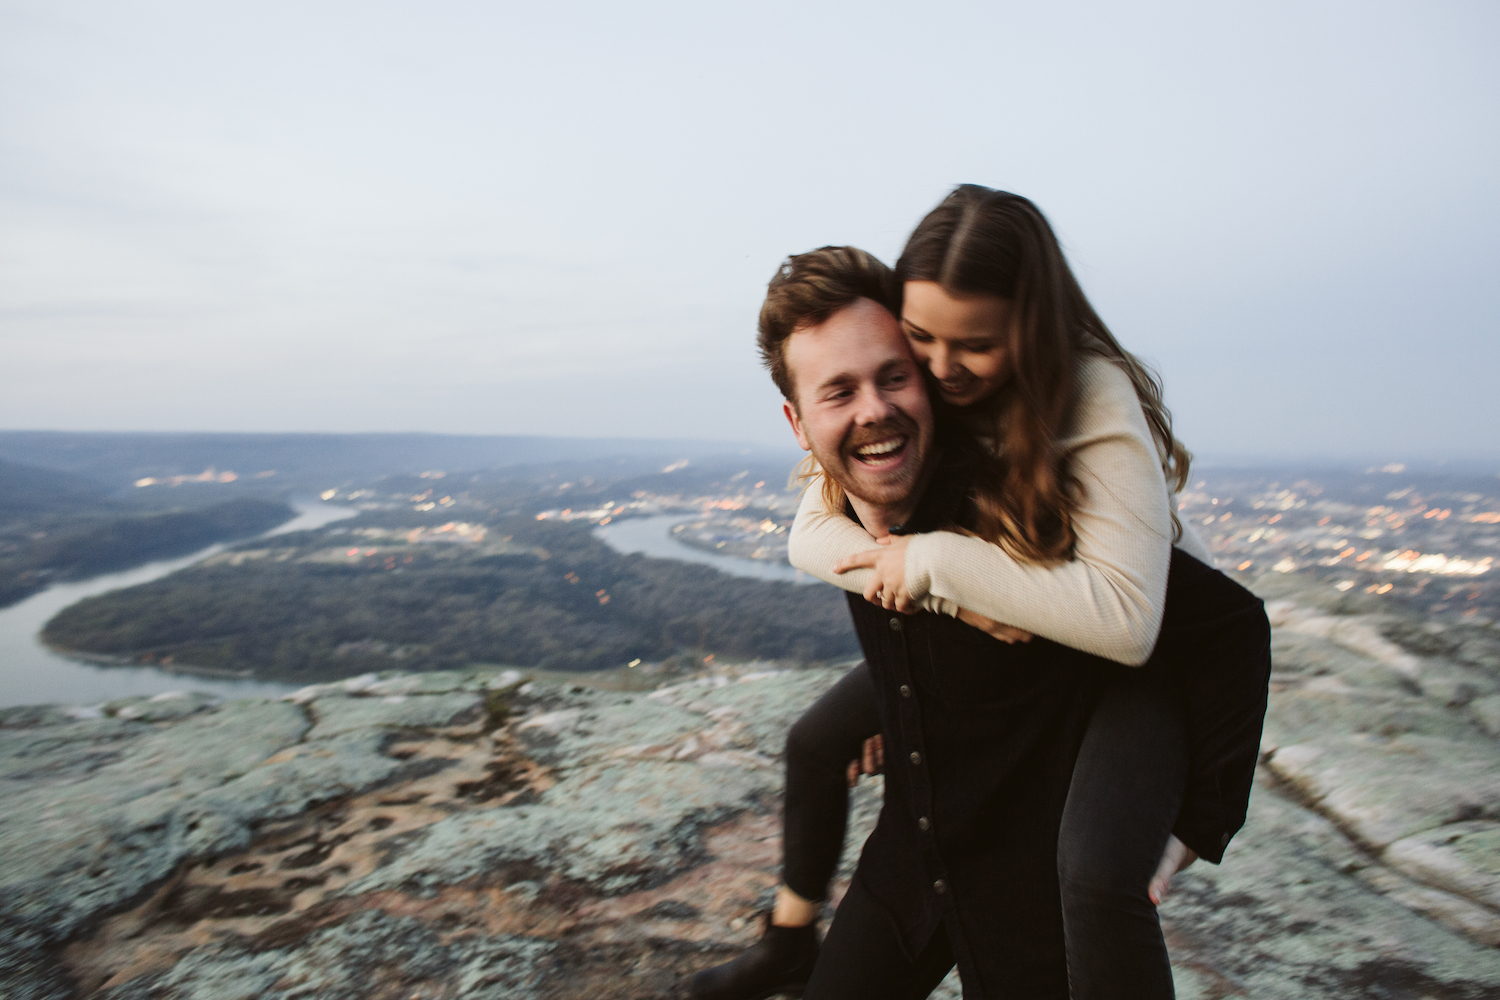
<point>939,363</point>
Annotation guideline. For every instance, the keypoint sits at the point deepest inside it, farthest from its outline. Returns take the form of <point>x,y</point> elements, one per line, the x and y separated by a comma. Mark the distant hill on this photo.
<point>27,489</point>
<point>120,543</point>
<point>320,459</point>
<point>62,526</point>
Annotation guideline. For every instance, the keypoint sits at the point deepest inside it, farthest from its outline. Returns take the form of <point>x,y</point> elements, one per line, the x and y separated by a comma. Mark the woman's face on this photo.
<point>960,339</point>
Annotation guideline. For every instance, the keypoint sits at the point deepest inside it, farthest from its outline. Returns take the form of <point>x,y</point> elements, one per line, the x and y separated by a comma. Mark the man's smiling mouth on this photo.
<point>881,452</point>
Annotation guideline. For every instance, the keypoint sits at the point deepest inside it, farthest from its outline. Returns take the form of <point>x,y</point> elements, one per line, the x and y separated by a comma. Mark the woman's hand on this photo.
<point>887,586</point>
<point>1174,859</point>
<point>871,760</point>
<point>1005,633</point>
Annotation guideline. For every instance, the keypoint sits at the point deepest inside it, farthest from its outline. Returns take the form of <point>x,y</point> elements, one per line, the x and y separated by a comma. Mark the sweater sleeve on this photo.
<point>1107,600</point>
<point>820,538</point>
<point>1192,542</point>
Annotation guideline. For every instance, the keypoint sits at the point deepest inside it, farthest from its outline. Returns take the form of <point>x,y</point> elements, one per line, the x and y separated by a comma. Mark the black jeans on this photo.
<point>863,959</point>
<point>818,750</point>
<point>1124,797</point>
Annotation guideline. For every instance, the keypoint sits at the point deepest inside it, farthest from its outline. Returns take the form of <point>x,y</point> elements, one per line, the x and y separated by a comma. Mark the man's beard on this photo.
<point>872,484</point>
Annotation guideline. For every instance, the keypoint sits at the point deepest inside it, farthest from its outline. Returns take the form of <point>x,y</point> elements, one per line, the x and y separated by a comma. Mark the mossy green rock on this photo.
<point>607,844</point>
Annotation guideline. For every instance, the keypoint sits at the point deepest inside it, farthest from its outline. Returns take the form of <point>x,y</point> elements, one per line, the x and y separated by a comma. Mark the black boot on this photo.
<point>780,962</point>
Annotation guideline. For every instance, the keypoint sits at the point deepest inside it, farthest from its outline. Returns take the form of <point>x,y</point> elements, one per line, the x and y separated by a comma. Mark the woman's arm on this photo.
<point>1108,599</point>
<point>820,539</point>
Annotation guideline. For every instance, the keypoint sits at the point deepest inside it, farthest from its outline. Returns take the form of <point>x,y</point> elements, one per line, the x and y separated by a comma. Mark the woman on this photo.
<point>1075,543</point>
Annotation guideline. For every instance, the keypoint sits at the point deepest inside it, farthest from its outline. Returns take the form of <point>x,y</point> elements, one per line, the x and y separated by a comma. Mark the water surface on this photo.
<point>652,536</point>
<point>32,674</point>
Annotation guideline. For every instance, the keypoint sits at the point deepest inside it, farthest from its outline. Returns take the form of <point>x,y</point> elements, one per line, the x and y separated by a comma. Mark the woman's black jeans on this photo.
<point>1125,795</point>
<point>818,750</point>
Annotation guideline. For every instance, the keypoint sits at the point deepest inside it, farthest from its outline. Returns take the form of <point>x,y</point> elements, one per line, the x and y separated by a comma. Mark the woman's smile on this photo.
<point>960,339</point>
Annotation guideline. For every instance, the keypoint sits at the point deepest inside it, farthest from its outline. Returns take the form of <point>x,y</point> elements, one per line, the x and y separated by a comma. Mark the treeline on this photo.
<point>323,460</point>
<point>577,606</point>
<point>40,550</point>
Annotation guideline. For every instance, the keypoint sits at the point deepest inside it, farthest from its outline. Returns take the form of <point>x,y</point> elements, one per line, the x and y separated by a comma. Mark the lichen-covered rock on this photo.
<point>336,716</point>
<point>45,749</point>
<point>69,848</point>
<point>590,726</point>
<point>1288,915</point>
<point>1486,712</point>
<point>1383,790</point>
<point>102,808</point>
<point>611,827</point>
<point>1327,705</point>
<point>465,835</point>
<point>161,707</point>
<point>349,961</point>
<point>1463,858</point>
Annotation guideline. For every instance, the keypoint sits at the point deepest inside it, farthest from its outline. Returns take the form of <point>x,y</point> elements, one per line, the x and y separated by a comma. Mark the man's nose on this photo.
<point>873,406</point>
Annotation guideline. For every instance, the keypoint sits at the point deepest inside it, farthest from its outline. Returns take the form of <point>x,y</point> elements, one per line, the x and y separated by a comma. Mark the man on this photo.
<point>980,736</point>
<point>962,864</point>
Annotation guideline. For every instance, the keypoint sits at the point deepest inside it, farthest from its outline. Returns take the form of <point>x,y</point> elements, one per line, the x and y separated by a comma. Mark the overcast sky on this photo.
<point>560,218</point>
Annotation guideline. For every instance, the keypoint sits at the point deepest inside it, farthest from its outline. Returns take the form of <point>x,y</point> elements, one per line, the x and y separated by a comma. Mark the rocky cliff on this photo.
<point>473,835</point>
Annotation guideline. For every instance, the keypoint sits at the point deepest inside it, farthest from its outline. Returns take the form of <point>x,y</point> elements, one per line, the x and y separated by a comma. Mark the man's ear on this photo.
<point>796,422</point>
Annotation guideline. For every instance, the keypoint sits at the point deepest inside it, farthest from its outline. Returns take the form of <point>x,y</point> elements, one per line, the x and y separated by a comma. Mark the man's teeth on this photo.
<point>881,448</point>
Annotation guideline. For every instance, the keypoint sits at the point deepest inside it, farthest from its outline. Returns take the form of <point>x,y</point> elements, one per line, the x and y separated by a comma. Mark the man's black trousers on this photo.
<point>1123,800</point>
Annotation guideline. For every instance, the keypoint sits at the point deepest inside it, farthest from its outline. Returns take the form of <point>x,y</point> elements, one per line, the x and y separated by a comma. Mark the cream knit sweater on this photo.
<point>1107,600</point>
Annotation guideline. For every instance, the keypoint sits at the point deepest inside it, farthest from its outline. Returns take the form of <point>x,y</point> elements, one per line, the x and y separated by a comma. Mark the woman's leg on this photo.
<point>816,810</point>
<point>863,958</point>
<point>1126,790</point>
<point>818,750</point>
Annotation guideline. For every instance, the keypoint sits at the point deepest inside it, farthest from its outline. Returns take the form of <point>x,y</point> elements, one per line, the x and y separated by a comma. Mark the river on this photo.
<point>652,536</point>
<point>32,674</point>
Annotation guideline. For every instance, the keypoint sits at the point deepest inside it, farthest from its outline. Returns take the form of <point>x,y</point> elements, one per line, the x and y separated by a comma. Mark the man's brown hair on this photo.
<point>810,287</point>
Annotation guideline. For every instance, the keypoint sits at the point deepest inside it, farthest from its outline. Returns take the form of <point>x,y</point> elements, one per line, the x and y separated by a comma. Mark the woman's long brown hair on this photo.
<point>979,241</point>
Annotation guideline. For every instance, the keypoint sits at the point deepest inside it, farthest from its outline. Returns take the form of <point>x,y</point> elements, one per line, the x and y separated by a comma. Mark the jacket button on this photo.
<point>924,824</point>
<point>1224,840</point>
<point>906,690</point>
<point>895,624</point>
<point>916,758</point>
<point>940,887</point>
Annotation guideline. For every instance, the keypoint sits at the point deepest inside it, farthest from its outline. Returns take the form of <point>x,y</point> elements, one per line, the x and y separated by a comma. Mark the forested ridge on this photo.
<point>39,548</point>
<point>559,599</point>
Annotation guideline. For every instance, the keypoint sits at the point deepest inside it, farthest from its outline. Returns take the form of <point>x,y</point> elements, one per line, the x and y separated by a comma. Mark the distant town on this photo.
<point>1428,542</point>
<point>1425,540</point>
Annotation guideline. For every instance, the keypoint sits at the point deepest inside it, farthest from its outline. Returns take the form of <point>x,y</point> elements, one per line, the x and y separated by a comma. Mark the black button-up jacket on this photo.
<point>980,742</point>
<point>981,737</point>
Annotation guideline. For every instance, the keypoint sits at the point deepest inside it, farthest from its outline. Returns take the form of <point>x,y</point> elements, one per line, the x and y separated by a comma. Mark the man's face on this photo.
<point>861,408</point>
